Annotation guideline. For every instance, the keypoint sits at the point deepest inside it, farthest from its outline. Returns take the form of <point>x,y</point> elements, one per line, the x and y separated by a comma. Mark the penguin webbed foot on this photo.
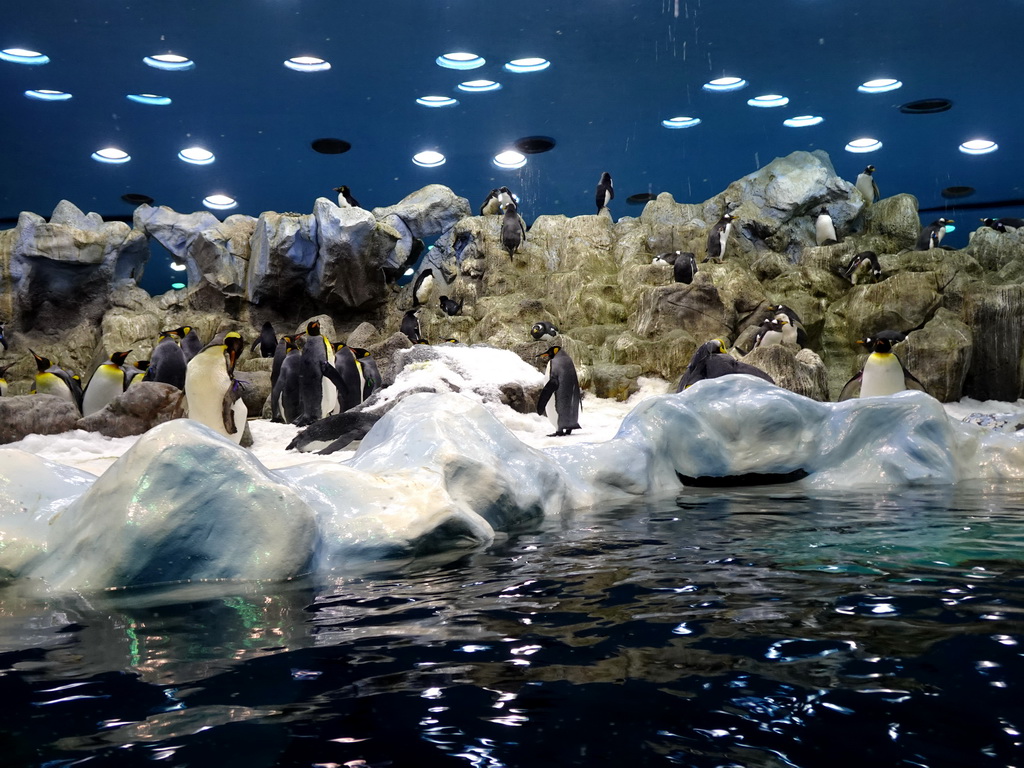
<point>303,421</point>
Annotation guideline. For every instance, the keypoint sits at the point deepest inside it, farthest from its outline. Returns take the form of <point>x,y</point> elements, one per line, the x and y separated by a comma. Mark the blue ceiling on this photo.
<point>617,70</point>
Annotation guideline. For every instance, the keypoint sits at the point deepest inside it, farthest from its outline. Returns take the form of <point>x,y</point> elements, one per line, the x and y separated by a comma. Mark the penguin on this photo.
<point>281,351</point>
<point>684,265</point>
<point>1000,225</point>
<point>106,383</point>
<point>450,307</point>
<point>505,197</point>
<point>334,433</point>
<point>51,379</point>
<point>543,331</point>
<point>772,332</point>
<point>564,385</point>
<point>189,341</point>
<point>3,337</point>
<point>167,362</point>
<point>347,375</point>
<point>345,198</point>
<point>711,360</point>
<point>135,373</point>
<point>211,391</point>
<point>452,340</point>
<point>780,311</point>
<point>605,193</point>
<point>883,372</point>
<point>491,204</point>
<point>371,373</point>
<point>513,231</point>
<point>285,402</point>
<point>411,326</point>
<point>423,287</point>
<point>3,378</point>
<point>866,185</point>
<point>719,238</point>
<point>266,341</point>
<point>318,397</point>
<point>864,256</point>
<point>824,229</point>
<point>931,236</point>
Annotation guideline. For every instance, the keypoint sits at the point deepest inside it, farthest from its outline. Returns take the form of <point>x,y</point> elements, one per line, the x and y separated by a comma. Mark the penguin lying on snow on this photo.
<point>543,331</point>
<point>931,236</point>
<point>564,386</point>
<point>883,373</point>
<point>684,265</point>
<point>711,360</point>
<point>212,393</point>
<point>107,382</point>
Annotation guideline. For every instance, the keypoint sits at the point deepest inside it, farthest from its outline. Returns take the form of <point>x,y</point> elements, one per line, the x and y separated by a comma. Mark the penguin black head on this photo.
<point>359,352</point>
<point>883,341</point>
<point>42,363</point>
<point>452,341</point>
<point>313,328</point>
<point>233,345</point>
<point>543,330</point>
<point>550,352</point>
<point>118,358</point>
<point>869,170</point>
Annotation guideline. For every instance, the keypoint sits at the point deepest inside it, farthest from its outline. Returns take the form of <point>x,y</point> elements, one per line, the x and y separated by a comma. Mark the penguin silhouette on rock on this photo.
<point>106,383</point>
<point>513,231</point>
<point>560,398</point>
<point>214,396</point>
<point>345,198</point>
<point>718,239</point>
<point>883,372</point>
<point>683,263</point>
<point>604,192</point>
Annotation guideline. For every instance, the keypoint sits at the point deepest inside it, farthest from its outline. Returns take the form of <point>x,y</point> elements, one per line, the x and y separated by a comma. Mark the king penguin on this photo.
<point>883,373</point>
<point>345,198</point>
<point>189,341</point>
<point>824,229</point>
<point>719,238</point>
<point>931,236</point>
<point>604,193</point>
<point>51,379</point>
<point>347,375</point>
<point>318,397</point>
<point>266,342</point>
<point>513,231</point>
<point>167,362</point>
<point>866,185</point>
<point>106,383</point>
<point>3,338</point>
<point>3,379</point>
<point>285,402</point>
<point>212,394</point>
<point>543,331</point>
<point>560,398</point>
<point>712,360</point>
<point>371,373</point>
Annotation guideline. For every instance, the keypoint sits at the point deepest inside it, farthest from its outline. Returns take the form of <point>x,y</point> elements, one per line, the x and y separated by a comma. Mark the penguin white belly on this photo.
<point>824,230</point>
<point>239,413</point>
<point>104,386</point>
<point>866,187</point>
<point>790,335</point>
<point>49,384</point>
<point>882,375</point>
<point>206,383</point>
<point>329,398</point>
<point>550,410</point>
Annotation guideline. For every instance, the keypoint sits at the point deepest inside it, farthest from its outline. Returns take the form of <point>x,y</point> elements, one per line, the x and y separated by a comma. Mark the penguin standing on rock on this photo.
<point>106,383</point>
<point>825,229</point>
<point>883,373</point>
<point>212,393</point>
<point>796,326</point>
<point>490,206</point>
<point>345,198</point>
<point>513,231</point>
<point>866,185</point>
<point>869,257</point>
<point>543,331</point>
<point>719,238</point>
<point>1003,224</point>
<point>450,307</point>
<point>683,263</point>
<point>712,360</point>
<point>423,288</point>
<point>266,341</point>
<point>931,236</point>
<point>51,379</point>
<point>772,332</point>
<point>604,192</point>
<point>411,326</point>
<point>560,398</point>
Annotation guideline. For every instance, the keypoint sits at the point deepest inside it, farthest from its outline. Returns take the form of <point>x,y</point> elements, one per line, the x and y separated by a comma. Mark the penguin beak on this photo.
<point>232,356</point>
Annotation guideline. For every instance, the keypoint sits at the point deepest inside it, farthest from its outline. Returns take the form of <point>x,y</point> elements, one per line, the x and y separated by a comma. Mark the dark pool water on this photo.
<point>755,628</point>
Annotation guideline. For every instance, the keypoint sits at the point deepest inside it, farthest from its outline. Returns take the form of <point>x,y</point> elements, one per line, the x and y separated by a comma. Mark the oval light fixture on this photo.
<point>641,198</point>
<point>803,121</point>
<point>137,199</point>
<point>510,159</point>
<point>111,155</point>
<point>308,64</point>
<point>459,60</point>
<point>978,147</point>
<point>23,56</point>
<point>45,94</point>
<point>437,101</point>
<point>149,98</point>
<point>534,145</point>
<point>196,156</point>
<point>881,85</point>
<point>171,62</point>
<point>220,202</point>
<point>926,106</point>
<point>428,159</point>
<point>864,145</point>
<point>957,191</point>
<point>533,64</point>
<point>177,286</point>
<point>722,84</point>
<point>681,122</point>
<point>478,86</point>
<point>768,100</point>
<point>328,146</point>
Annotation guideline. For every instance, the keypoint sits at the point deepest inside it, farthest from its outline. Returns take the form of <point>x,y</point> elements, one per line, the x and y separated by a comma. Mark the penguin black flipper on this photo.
<point>545,395</point>
<point>232,395</point>
<point>851,389</point>
<point>910,381</point>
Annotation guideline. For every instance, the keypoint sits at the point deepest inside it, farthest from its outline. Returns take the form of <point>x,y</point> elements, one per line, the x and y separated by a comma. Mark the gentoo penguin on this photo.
<point>1000,225</point>
<point>167,362</point>
<point>780,311</point>
<point>51,379</point>
<point>285,402</point>
<point>824,229</point>
<point>411,326</point>
<point>864,256</point>
<point>423,287</point>
<point>318,397</point>
<point>866,185</point>
<point>266,341</point>
<point>543,331</point>
<point>931,236</point>
<point>450,307</point>
<point>106,383</point>
<point>604,193</point>
<point>684,265</point>
<point>711,360</point>
<point>347,376</point>
<point>189,341</point>
<point>772,332</point>
<point>345,198</point>
<point>883,373</point>
<point>3,379</point>
<point>213,395</point>
<point>719,238</point>
<point>513,231</point>
<point>491,204</point>
<point>371,373</point>
<point>563,410</point>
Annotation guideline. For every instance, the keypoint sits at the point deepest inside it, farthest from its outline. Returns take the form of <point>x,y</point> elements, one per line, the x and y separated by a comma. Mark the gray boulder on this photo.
<point>427,212</point>
<point>283,252</point>
<point>24,415</point>
<point>143,406</point>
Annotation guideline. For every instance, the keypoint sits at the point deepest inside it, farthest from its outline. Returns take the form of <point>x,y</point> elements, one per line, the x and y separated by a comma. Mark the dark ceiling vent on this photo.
<point>330,146</point>
<point>640,199</point>
<point>136,199</point>
<point>534,145</point>
<point>952,193</point>
<point>926,106</point>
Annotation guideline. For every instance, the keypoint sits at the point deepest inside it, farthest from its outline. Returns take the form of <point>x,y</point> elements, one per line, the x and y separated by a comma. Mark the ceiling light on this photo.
<point>978,147</point>
<point>178,266</point>
<point>220,202</point>
<point>768,100</point>
<point>149,98</point>
<point>459,60</point>
<point>307,64</point>
<point>880,86</point>
<point>510,159</point>
<point>196,156</point>
<point>527,65</point>
<point>681,122</point>
<point>725,84</point>
<point>44,94</point>
<point>437,101</point>
<point>171,62</point>
<point>803,121</point>
<point>111,155</point>
<point>329,146</point>
<point>863,145</point>
<point>22,56</point>
<point>428,159</point>
<point>478,86</point>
